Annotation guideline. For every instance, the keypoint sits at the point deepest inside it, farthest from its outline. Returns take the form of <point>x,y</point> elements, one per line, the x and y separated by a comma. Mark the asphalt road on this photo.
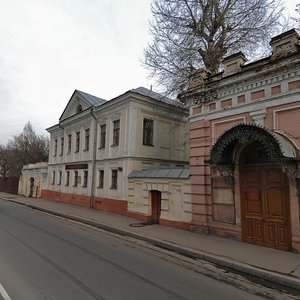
<point>43,257</point>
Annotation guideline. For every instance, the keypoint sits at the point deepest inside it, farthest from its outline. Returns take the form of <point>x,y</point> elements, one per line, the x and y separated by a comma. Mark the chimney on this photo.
<point>233,63</point>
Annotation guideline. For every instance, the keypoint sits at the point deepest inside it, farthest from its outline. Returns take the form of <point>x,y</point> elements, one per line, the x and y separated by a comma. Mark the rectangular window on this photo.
<point>75,178</point>
<point>62,141</point>
<point>69,143</point>
<point>60,177</point>
<point>55,148</point>
<point>87,139</point>
<point>101,179</point>
<point>85,178</point>
<point>77,141</point>
<point>68,178</point>
<point>102,135</point>
<point>53,177</point>
<point>116,133</point>
<point>148,132</point>
<point>114,179</point>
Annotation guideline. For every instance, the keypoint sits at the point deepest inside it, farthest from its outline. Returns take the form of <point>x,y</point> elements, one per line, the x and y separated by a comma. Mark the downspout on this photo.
<point>92,195</point>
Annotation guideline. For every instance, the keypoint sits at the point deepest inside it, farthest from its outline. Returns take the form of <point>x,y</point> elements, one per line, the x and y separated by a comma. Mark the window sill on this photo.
<point>85,150</point>
<point>151,145</point>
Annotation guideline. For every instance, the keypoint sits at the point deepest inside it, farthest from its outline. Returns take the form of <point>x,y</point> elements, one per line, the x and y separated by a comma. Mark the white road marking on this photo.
<point>3,293</point>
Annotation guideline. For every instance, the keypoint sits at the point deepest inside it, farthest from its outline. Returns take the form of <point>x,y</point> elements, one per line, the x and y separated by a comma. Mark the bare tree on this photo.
<point>297,19</point>
<point>4,161</point>
<point>26,148</point>
<point>192,34</point>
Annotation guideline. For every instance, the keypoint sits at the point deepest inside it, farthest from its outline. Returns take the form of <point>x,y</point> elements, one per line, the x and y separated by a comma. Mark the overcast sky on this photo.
<point>49,48</point>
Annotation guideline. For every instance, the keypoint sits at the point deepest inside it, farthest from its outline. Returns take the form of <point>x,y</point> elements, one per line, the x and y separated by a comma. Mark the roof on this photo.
<point>149,93</point>
<point>92,100</point>
<point>178,173</point>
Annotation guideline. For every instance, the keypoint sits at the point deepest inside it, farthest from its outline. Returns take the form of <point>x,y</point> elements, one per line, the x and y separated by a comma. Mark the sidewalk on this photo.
<point>269,264</point>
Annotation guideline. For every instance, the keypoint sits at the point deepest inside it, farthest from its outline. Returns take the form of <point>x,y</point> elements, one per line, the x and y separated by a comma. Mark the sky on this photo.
<point>49,48</point>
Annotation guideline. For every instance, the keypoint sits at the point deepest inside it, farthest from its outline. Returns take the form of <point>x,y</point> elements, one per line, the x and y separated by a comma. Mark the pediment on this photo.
<point>79,102</point>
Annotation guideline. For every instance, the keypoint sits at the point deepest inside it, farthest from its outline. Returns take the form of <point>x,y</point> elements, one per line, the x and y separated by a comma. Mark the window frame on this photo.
<point>53,178</point>
<point>87,139</point>
<point>148,132</point>
<point>116,132</point>
<point>85,178</point>
<point>55,147</point>
<point>102,136</point>
<point>114,179</point>
<point>62,143</point>
<point>76,175</point>
<point>69,143</point>
<point>67,178</point>
<point>77,142</point>
<point>59,177</point>
<point>100,179</point>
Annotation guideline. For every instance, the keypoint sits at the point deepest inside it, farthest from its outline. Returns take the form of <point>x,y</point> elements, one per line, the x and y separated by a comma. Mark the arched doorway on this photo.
<point>260,156</point>
<point>155,206</point>
<point>265,216</point>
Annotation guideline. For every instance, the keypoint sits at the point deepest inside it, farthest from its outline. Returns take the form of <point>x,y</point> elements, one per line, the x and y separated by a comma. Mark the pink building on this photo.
<point>244,147</point>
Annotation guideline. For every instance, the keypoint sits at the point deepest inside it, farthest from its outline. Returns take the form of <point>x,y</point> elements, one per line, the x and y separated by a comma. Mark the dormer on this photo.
<point>233,63</point>
<point>284,43</point>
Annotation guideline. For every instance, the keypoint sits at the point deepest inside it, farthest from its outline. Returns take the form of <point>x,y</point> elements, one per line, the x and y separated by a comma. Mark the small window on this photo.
<point>62,141</point>
<point>69,143</point>
<point>116,133</point>
<point>101,179</point>
<point>77,141</point>
<point>68,178</point>
<point>85,179</point>
<point>114,179</point>
<point>79,109</point>
<point>55,148</point>
<point>53,177</point>
<point>59,177</point>
<point>148,132</point>
<point>75,178</point>
<point>87,139</point>
<point>102,135</point>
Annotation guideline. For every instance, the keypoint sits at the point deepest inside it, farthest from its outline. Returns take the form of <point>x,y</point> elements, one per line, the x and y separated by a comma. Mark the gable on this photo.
<point>79,102</point>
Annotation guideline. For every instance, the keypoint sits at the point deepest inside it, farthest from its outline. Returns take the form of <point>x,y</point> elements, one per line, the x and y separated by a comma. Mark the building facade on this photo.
<point>98,143</point>
<point>244,147</point>
<point>33,180</point>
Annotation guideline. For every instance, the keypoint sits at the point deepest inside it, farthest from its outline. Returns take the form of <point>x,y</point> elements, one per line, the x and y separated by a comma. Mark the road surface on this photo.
<point>44,257</point>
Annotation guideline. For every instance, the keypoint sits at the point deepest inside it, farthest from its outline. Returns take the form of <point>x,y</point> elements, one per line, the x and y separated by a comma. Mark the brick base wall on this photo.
<point>111,205</point>
<point>66,198</point>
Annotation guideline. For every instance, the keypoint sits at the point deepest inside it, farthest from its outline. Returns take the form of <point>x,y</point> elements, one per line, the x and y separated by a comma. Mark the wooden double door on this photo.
<point>265,206</point>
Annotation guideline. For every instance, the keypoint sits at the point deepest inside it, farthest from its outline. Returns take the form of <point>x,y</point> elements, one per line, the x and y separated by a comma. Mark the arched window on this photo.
<point>79,109</point>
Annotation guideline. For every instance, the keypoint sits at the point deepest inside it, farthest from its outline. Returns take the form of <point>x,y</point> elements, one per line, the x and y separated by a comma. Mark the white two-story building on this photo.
<point>98,143</point>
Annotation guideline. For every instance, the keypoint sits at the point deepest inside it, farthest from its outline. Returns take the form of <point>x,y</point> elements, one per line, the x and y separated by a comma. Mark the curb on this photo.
<point>273,277</point>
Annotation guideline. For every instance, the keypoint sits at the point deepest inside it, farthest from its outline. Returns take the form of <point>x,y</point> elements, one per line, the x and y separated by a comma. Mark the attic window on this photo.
<point>79,109</point>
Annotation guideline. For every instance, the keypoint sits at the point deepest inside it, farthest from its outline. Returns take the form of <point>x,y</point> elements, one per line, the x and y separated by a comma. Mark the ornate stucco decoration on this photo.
<point>222,152</point>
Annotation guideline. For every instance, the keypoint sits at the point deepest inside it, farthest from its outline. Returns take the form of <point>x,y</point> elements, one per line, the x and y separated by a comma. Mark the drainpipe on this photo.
<point>92,195</point>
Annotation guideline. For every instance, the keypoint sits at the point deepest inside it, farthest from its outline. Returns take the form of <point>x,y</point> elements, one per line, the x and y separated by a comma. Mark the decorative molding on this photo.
<point>259,117</point>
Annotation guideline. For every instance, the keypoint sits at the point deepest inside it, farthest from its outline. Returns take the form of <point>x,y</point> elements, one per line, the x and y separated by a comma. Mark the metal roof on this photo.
<point>145,92</point>
<point>161,173</point>
<point>92,100</point>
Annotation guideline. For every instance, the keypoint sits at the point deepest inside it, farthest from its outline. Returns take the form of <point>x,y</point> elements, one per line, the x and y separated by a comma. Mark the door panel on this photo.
<point>265,207</point>
<point>155,206</point>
